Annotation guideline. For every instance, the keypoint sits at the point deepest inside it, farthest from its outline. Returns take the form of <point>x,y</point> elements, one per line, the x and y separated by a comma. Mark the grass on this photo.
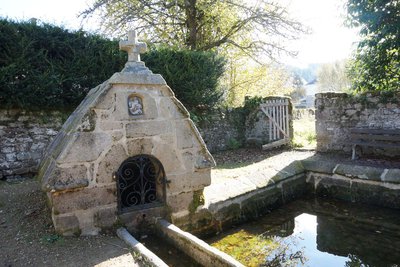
<point>304,133</point>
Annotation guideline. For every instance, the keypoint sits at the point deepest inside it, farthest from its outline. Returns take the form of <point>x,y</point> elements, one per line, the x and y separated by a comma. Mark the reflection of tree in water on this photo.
<point>283,254</point>
<point>354,261</point>
<point>262,249</point>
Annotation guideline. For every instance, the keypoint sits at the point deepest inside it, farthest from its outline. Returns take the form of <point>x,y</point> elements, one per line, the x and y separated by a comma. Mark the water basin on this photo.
<point>317,232</point>
<point>171,255</point>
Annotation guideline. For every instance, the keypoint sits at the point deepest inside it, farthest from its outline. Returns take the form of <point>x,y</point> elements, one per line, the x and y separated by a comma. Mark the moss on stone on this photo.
<point>198,200</point>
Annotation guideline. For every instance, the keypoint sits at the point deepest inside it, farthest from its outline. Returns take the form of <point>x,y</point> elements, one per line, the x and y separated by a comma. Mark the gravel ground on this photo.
<point>27,235</point>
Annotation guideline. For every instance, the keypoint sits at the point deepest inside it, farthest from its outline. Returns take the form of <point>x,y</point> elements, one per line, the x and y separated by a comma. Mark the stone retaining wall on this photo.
<point>354,183</point>
<point>24,136</point>
<point>221,131</point>
<point>337,113</point>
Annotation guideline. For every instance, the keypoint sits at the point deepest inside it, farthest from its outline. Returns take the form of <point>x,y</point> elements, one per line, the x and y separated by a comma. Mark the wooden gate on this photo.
<point>277,111</point>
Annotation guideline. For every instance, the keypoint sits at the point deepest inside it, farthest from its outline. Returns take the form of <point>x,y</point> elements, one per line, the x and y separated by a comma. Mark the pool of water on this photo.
<point>317,232</point>
<point>172,256</point>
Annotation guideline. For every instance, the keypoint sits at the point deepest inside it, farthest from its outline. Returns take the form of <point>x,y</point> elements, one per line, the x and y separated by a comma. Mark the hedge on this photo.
<point>49,67</point>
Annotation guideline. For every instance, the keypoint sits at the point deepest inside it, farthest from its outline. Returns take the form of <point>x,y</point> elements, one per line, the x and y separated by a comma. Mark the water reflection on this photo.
<point>317,233</point>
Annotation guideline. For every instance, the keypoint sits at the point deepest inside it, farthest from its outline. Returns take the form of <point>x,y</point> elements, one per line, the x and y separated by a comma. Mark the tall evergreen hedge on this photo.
<point>192,75</point>
<point>44,66</point>
<point>48,67</point>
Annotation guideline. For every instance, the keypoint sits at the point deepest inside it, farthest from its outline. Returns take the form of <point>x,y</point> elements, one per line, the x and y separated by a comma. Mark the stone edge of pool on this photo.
<point>247,198</point>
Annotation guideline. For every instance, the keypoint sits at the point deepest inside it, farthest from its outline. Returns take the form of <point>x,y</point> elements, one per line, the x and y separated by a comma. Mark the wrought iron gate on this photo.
<point>140,181</point>
<point>277,111</point>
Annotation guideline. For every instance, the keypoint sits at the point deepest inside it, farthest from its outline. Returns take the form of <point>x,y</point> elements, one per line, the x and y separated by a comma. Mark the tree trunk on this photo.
<point>191,23</point>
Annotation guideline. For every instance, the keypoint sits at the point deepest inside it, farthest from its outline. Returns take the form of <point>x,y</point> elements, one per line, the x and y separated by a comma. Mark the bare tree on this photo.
<point>254,27</point>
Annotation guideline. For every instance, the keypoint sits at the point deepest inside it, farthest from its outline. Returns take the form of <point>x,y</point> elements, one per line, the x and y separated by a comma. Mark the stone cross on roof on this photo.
<point>133,47</point>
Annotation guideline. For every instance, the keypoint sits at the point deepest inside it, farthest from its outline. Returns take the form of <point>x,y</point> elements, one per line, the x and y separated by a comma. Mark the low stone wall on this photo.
<point>197,249</point>
<point>24,136</point>
<point>355,183</point>
<point>221,132</point>
<point>337,113</point>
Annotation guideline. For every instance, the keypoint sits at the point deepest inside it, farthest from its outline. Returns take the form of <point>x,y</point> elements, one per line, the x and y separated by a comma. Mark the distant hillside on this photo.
<point>309,74</point>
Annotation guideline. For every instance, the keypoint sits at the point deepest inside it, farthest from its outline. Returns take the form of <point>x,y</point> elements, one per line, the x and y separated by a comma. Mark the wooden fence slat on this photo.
<point>277,111</point>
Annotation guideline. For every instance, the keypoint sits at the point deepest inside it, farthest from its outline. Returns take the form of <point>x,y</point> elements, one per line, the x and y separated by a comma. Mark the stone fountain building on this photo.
<point>128,153</point>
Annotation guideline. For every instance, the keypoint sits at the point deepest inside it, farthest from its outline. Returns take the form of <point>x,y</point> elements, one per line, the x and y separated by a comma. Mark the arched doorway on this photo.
<point>140,183</point>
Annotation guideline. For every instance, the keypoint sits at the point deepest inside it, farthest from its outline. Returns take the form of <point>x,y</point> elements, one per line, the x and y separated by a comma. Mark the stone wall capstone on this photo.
<point>24,136</point>
<point>337,113</point>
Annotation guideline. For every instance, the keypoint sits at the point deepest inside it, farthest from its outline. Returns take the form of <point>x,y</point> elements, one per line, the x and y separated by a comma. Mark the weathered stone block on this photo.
<point>184,135</point>
<point>11,157</point>
<point>68,225</point>
<point>204,161</point>
<point>375,194</point>
<point>392,176</point>
<point>110,125</point>
<point>294,188</point>
<point>147,128</point>
<point>139,78</point>
<point>291,170</point>
<point>190,181</point>
<point>180,201</point>
<point>69,178</point>
<point>110,164</point>
<point>332,187</point>
<point>7,149</point>
<point>105,217</point>
<point>262,203</point>
<point>83,199</point>
<point>168,109</point>
<point>168,156</point>
<point>85,148</point>
<point>319,166</point>
<point>23,170</point>
<point>139,146</point>
<point>23,156</point>
<point>106,102</point>
<point>188,160</point>
<point>360,172</point>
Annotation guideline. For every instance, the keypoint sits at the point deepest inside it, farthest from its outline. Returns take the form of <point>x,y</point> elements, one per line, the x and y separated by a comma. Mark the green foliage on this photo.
<point>304,133</point>
<point>48,67</point>
<point>233,144</point>
<point>376,64</point>
<point>44,66</point>
<point>333,77</point>
<point>259,250</point>
<point>52,238</point>
<point>254,27</point>
<point>192,75</point>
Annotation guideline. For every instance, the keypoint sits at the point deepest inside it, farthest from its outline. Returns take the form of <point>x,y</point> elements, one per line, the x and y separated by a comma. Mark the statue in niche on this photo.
<point>135,106</point>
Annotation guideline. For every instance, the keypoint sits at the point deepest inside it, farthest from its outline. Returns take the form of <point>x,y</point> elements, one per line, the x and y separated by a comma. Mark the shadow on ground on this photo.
<point>28,237</point>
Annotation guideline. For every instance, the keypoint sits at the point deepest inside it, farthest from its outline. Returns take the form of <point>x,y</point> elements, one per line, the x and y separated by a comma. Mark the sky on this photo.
<point>329,41</point>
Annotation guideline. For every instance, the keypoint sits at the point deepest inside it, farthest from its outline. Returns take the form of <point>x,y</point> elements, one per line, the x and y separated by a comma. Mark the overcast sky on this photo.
<point>329,41</point>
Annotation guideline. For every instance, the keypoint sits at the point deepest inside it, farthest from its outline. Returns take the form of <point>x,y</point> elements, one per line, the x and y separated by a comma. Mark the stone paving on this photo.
<point>229,183</point>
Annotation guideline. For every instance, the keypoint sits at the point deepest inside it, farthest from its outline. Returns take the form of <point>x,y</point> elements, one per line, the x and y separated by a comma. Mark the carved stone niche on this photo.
<point>128,153</point>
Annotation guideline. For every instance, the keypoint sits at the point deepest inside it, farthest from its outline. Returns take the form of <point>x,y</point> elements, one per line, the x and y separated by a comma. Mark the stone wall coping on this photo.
<point>140,248</point>
<point>353,171</point>
<point>196,248</point>
<point>128,78</point>
<point>230,191</point>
